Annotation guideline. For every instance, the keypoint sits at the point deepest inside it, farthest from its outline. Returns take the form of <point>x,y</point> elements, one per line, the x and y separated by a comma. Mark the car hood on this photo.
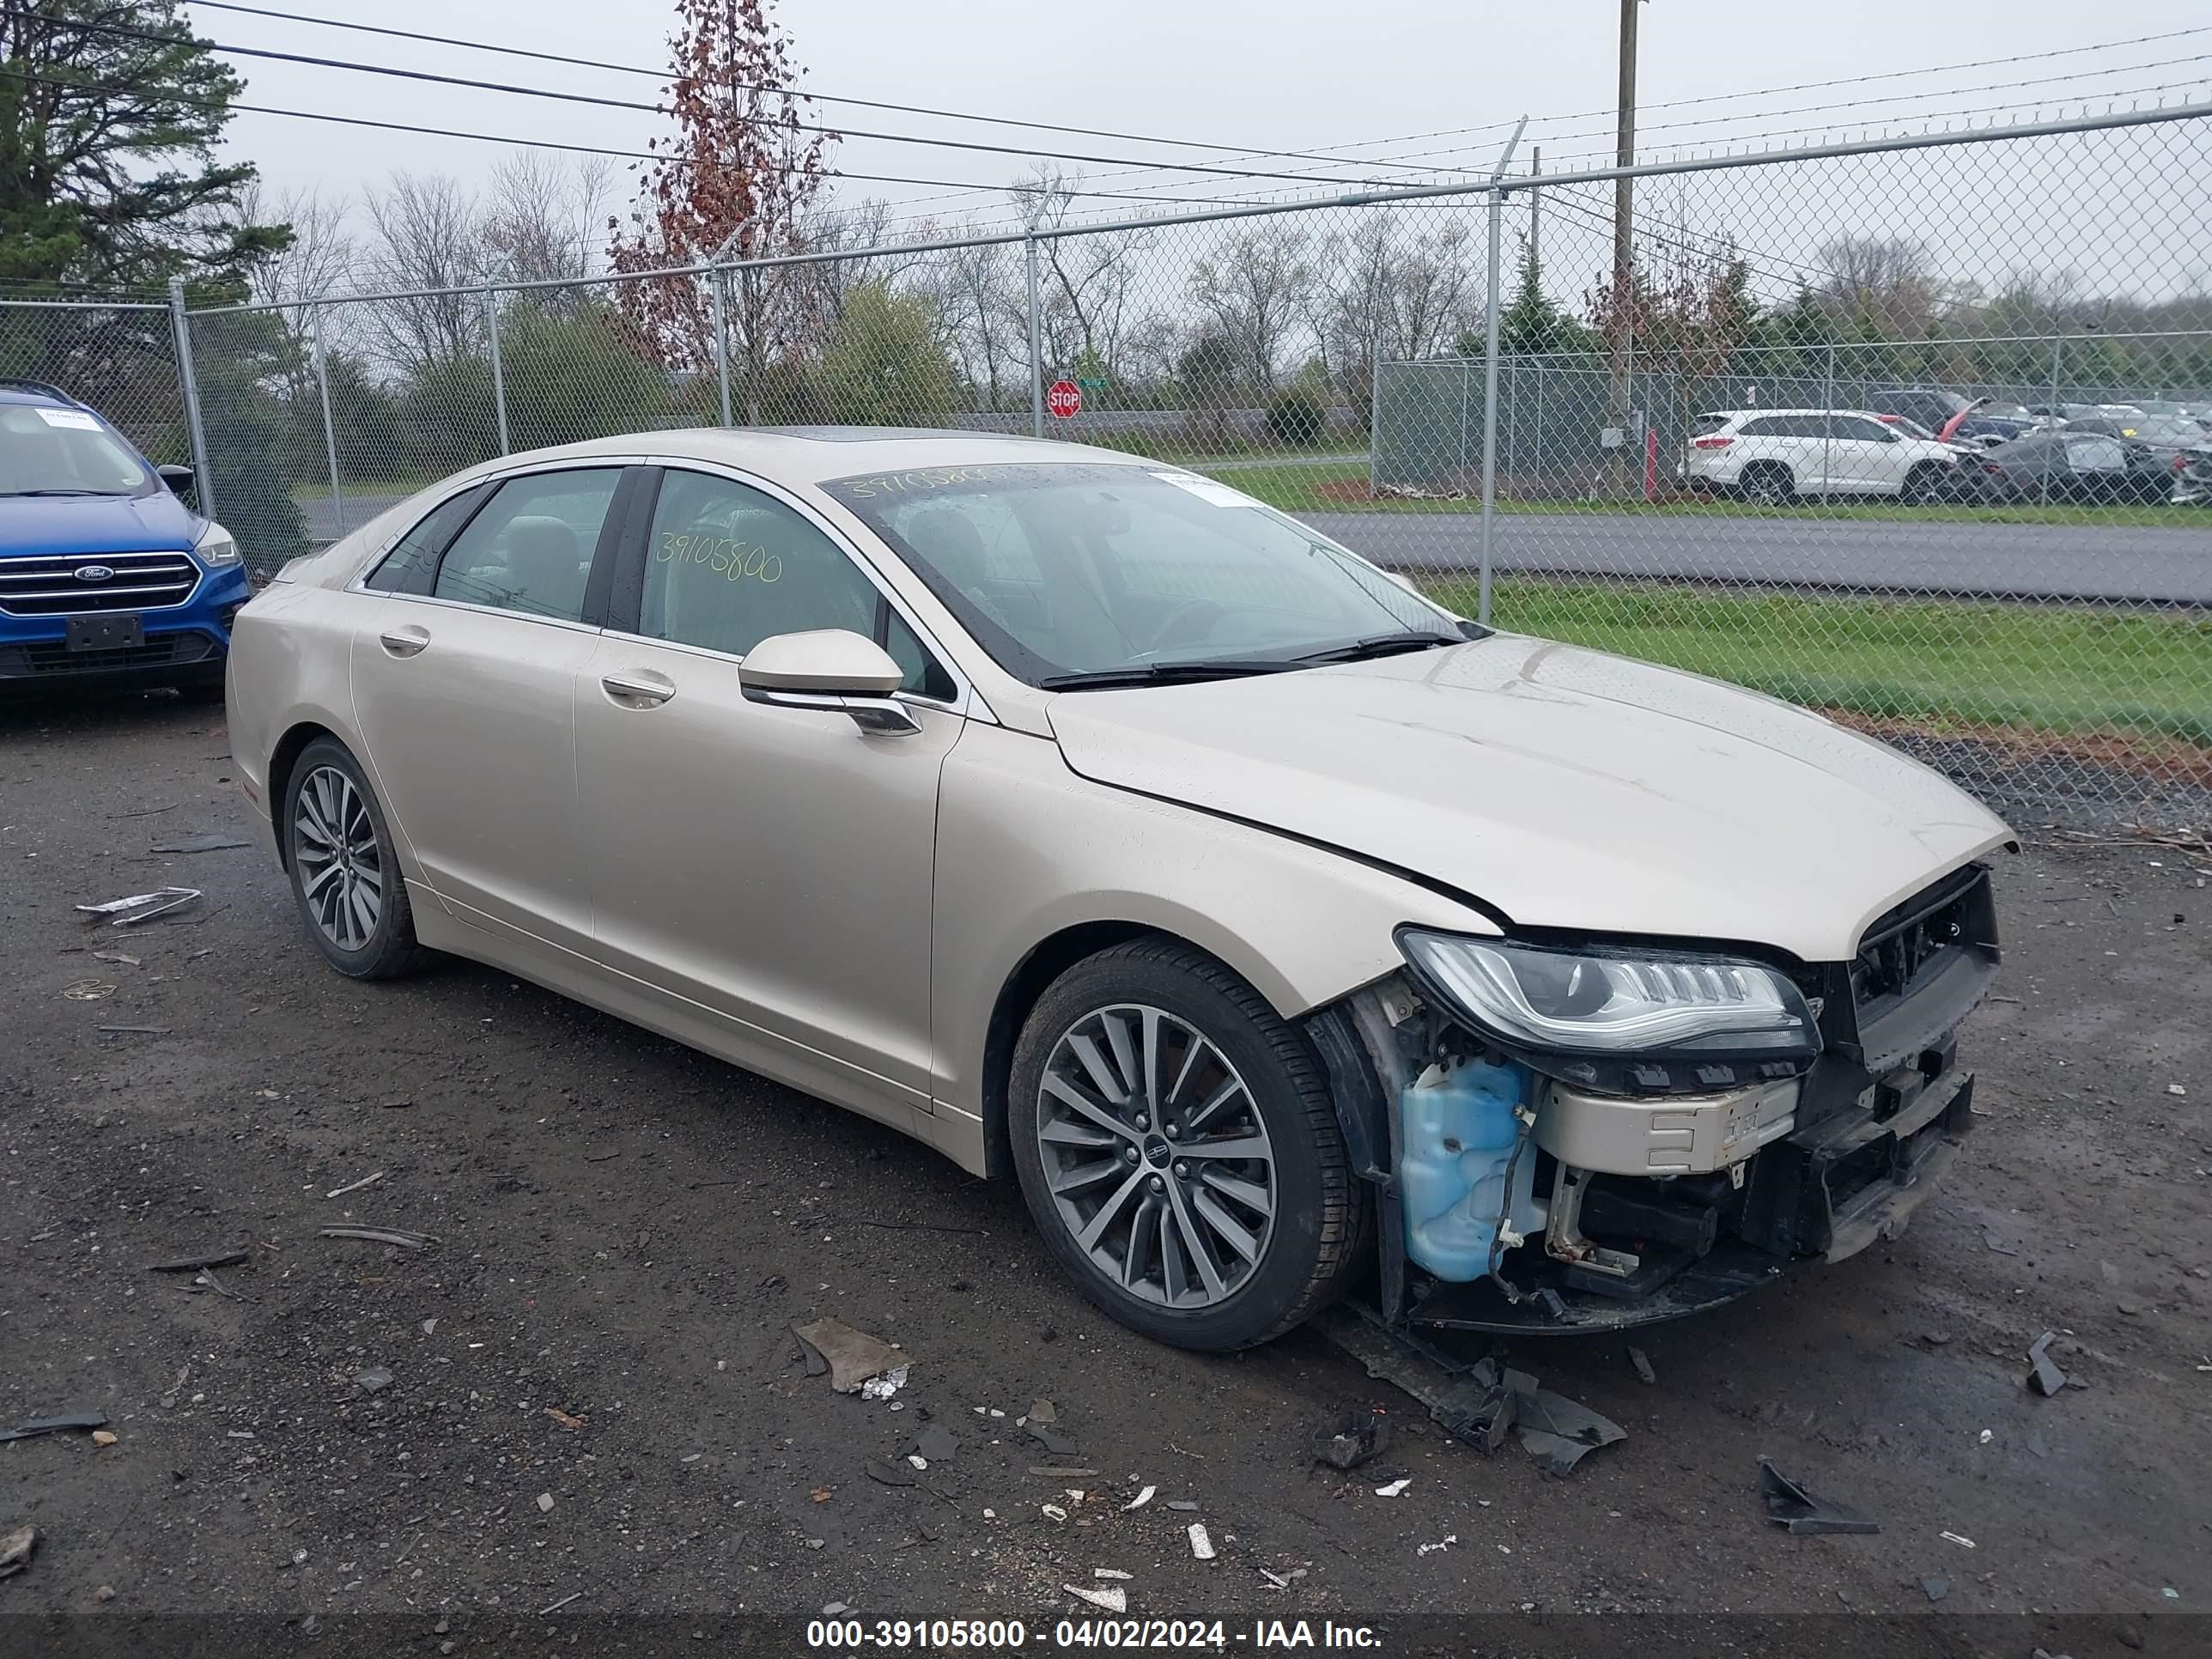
<point>50,524</point>
<point>1564,788</point>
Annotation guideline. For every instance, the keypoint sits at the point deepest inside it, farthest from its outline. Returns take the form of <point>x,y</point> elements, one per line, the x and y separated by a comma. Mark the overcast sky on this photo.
<point>1288,73</point>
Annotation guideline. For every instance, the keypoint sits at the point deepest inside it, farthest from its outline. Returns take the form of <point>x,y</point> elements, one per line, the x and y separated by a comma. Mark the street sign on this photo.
<point>1065,398</point>
<point>1091,382</point>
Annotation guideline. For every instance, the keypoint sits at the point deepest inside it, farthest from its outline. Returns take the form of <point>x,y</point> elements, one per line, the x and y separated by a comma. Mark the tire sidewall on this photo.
<point>387,941</point>
<point>1273,1291</point>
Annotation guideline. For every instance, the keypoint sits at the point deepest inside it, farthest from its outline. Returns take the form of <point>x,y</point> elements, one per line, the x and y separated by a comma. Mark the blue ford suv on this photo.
<point>106,577</point>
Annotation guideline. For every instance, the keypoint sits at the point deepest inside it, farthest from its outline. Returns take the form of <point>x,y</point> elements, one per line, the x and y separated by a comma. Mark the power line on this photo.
<point>524,143</point>
<point>657,109</point>
<point>741,86</point>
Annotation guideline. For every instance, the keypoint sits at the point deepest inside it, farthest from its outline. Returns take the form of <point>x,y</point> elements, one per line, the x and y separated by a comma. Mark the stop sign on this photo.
<point>1065,398</point>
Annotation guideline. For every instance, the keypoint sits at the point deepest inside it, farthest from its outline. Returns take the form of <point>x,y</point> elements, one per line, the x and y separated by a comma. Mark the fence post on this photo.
<point>1036,347</point>
<point>2058,358</point>
<point>719,294</point>
<point>1828,429</point>
<point>498,372</point>
<point>329,430</point>
<point>1490,404</point>
<point>180,329</point>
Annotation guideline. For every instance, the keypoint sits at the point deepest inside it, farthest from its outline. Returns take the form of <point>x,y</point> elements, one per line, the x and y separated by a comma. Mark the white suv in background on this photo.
<point>1776,455</point>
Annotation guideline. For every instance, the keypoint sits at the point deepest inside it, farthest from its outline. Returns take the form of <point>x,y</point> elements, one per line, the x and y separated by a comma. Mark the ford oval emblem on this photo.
<point>94,572</point>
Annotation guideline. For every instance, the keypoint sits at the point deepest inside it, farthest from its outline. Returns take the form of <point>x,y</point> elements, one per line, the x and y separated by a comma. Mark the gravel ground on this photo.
<point>593,1393</point>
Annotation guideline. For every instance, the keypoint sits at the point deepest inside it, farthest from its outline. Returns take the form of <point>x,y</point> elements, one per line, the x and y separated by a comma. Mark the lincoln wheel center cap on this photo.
<point>1157,1150</point>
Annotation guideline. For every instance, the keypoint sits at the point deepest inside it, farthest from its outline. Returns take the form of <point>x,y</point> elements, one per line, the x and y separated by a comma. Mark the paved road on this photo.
<point>2030,560</point>
<point>2038,561</point>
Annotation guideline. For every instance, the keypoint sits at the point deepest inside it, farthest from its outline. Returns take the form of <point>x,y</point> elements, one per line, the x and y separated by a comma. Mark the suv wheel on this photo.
<point>344,876</point>
<point>1179,1150</point>
<point>1923,485</point>
<point>1770,483</point>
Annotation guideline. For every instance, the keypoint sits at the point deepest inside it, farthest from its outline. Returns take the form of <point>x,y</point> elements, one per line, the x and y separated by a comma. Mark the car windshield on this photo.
<point>2164,429</point>
<point>66,451</point>
<point>1907,425</point>
<point>1102,572</point>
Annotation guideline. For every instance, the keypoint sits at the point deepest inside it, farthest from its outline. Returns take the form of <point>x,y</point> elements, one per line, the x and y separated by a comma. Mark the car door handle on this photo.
<point>404,641</point>
<point>650,691</point>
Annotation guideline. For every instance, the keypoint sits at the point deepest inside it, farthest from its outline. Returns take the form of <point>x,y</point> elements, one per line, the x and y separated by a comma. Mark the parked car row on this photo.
<point>1776,456</point>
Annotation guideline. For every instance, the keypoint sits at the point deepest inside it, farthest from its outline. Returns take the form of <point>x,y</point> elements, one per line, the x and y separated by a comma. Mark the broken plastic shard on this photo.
<point>1110,1572</point>
<point>2044,1377</point>
<point>1795,1508</point>
<point>141,907</point>
<point>1935,1588</point>
<point>1142,1498</point>
<point>1200,1546</point>
<point>1058,1444</point>
<point>1959,1539</point>
<point>854,1357</point>
<point>1641,1361</point>
<point>1395,1487</point>
<point>373,1379</point>
<point>1443,1543</point>
<point>15,1549</point>
<point>890,1474</point>
<point>1557,1431</point>
<point>1350,1439</point>
<point>936,1444</point>
<point>1052,1511</point>
<point>1112,1598</point>
<point>39,1425</point>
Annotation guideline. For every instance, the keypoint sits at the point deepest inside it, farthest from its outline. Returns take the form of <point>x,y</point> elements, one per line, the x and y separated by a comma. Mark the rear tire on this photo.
<point>345,875</point>
<point>1923,485</point>
<point>1179,1150</point>
<point>1768,484</point>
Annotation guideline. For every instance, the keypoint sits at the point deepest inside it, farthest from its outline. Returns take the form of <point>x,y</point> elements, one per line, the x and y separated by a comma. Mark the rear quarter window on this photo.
<point>411,564</point>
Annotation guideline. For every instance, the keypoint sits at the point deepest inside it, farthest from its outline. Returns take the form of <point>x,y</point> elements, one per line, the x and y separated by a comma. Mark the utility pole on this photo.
<point>1622,322</point>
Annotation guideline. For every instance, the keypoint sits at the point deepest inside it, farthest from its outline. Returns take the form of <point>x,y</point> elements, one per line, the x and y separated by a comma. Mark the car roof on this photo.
<point>1747,414</point>
<point>36,393</point>
<point>814,454</point>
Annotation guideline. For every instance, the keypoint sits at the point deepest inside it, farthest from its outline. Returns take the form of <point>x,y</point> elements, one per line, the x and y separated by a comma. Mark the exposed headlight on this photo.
<point>215,546</point>
<point>1602,1002</point>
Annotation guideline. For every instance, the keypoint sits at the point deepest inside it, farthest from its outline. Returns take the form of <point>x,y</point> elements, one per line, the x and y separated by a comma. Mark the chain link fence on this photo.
<point>1918,433</point>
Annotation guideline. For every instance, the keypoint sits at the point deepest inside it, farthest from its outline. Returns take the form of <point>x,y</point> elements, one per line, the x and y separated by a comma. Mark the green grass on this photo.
<point>2042,668</point>
<point>1296,487</point>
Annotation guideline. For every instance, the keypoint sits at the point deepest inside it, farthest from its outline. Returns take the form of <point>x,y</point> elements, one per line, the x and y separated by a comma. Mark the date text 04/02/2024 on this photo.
<point>857,1635</point>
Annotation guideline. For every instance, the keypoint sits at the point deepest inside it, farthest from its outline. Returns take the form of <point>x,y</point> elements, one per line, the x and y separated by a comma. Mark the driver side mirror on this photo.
<point>832,668</point>
<point>180,479</point>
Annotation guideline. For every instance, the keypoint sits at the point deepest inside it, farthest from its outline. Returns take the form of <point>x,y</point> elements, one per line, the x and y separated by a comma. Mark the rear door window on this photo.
<point>530,549</point>
<point>411,565</point>
<point>2097,455</point>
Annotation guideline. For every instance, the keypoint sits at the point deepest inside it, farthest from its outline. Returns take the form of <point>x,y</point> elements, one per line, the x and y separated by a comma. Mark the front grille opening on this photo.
<point>57,585</point>
<point>53,657</point>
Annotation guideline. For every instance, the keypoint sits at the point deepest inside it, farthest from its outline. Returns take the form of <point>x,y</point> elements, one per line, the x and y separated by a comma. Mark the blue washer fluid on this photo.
<point>1457,1132</point>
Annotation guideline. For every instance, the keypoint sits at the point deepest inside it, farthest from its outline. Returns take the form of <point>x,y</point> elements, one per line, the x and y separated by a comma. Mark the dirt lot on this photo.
<point>594,1393</point>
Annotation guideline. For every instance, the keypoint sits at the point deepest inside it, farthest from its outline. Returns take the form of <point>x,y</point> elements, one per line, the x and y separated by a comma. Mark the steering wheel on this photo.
<point>1201,610</point>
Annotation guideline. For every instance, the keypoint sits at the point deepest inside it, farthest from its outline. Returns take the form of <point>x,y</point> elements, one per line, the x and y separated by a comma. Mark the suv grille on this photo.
<point>52,585</point>
<point>1901,947</point>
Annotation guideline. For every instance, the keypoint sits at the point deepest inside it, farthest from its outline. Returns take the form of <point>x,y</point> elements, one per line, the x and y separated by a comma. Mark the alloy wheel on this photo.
<point>341,867</point>
<point>1155,1156</point>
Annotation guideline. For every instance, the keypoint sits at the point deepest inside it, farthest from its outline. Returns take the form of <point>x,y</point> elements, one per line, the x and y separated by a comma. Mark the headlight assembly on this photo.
<point>216,547</point>
<point>1599,1002</point>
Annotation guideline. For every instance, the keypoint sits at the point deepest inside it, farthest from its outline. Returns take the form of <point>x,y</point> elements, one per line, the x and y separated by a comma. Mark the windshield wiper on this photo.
<point>1154,673</point>
<point>1383,645</point>
<point>62,492</point>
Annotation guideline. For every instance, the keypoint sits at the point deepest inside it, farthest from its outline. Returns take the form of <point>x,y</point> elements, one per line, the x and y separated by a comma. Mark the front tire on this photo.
<point>1923,485</point>
<point>1178,1149</point>
<point>345,876</point>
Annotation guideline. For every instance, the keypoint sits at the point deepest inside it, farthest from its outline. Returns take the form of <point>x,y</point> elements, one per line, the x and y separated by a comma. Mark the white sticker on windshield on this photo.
<point>70,418</point>
<point>1207,489</point>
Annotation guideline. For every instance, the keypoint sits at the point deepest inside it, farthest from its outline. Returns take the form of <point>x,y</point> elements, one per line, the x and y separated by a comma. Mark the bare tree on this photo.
<point>1883,287</point>
<point>1385,291</point>
<point>540,219</point>
<point>321,257</point>
<point>980,298</point>
<point>425,234</point>
<point>1256,295</point>
<point>1089,301</point>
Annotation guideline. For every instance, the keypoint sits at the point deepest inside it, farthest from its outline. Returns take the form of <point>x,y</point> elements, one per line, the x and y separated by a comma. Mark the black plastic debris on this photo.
<point>892,1474</point>
<point>1058,1444</point>
<point>1557,1431</point>
<point>61,1424</point>
<point>1352,1439</point>
<point>1935,1588</point>
<point>2044,1376</point>
<point>936,1444</point>
<point>816,1364</point>
<point>1795,1508</point>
